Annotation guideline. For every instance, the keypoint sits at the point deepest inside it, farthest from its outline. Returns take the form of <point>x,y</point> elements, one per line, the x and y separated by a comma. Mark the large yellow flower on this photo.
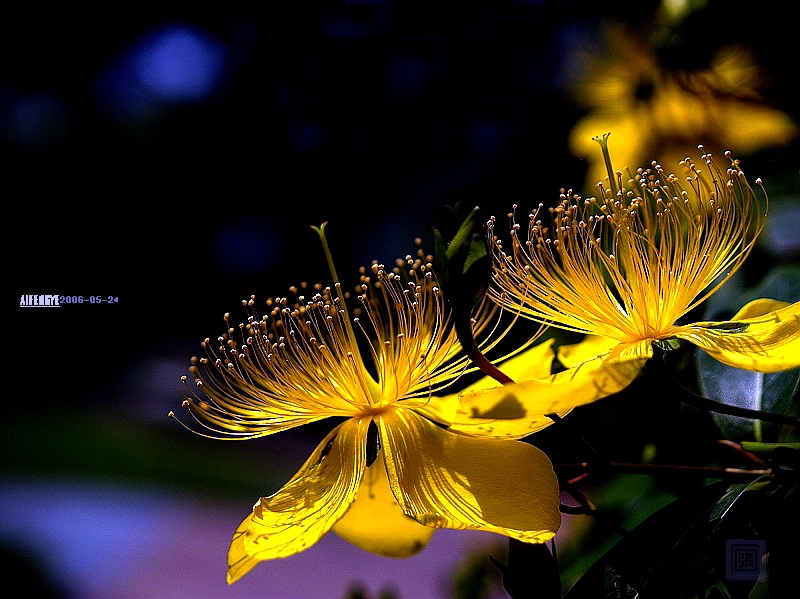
<point>387,475</point>
<point>623,269</point>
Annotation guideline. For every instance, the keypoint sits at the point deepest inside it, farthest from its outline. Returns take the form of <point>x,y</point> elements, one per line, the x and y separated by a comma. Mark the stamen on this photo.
<point>630,262</point>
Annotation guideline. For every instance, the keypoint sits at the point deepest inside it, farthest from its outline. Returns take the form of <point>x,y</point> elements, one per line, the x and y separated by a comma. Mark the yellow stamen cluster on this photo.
<point>629,263</point>
<point>305,359</point>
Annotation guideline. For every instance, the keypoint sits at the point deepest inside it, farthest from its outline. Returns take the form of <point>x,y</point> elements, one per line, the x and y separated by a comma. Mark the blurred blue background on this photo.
<point>177,162</point>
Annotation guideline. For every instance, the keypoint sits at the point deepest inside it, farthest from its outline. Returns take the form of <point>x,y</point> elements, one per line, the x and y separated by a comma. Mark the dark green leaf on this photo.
<point>733,493</point>
<point>616,587</point>
<point>463,265</point>
<point>774,392</point>
<point>477,254</point>
<point>461,241</point>
<point>636,558</point>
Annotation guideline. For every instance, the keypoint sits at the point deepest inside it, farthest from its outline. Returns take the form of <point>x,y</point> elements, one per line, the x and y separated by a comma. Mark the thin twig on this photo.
<point>677,469</point>
<point>704,403</point>
<point>748,455</point>
<point>588,508</point>
<point>712,405</point>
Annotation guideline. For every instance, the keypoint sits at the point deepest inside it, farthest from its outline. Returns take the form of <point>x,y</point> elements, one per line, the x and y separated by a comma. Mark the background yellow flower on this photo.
<point>666,110</point>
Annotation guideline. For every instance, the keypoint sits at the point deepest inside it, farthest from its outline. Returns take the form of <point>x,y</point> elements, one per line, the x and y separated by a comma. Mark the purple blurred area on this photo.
<point>102,541</point>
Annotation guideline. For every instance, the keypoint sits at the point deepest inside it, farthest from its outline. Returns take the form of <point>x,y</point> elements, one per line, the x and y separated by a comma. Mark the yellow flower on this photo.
<point>629,91</point>
<point>387,475</point>
<point>623,268</point>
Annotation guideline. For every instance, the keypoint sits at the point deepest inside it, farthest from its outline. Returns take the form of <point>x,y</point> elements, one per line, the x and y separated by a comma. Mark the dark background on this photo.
<point>374,117</point>
<point>371,116</point>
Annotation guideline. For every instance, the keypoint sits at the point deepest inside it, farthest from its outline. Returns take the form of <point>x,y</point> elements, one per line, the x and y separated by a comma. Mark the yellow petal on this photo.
<point>642,350</point>
<point>376,523</point>
<point>444,480</point>
<point>519,409</point>
<point>308,505</point>
<point>769,343</point>
<point>591,347</point>
<point>440,409</point>
<point>760,307</point>
<point>532,363</point>
<point>239,561</point>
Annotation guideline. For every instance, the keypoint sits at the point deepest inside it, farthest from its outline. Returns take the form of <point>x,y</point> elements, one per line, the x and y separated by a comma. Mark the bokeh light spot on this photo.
<point>179,63</point>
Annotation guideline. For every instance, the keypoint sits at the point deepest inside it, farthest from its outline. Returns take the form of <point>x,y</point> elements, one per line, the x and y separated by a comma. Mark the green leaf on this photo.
<point>730,497</point>
<point>463,265</point>
<point>774,392</point>
<point>476,255</point>
<point>635,559</point>
<point>461,241</point>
